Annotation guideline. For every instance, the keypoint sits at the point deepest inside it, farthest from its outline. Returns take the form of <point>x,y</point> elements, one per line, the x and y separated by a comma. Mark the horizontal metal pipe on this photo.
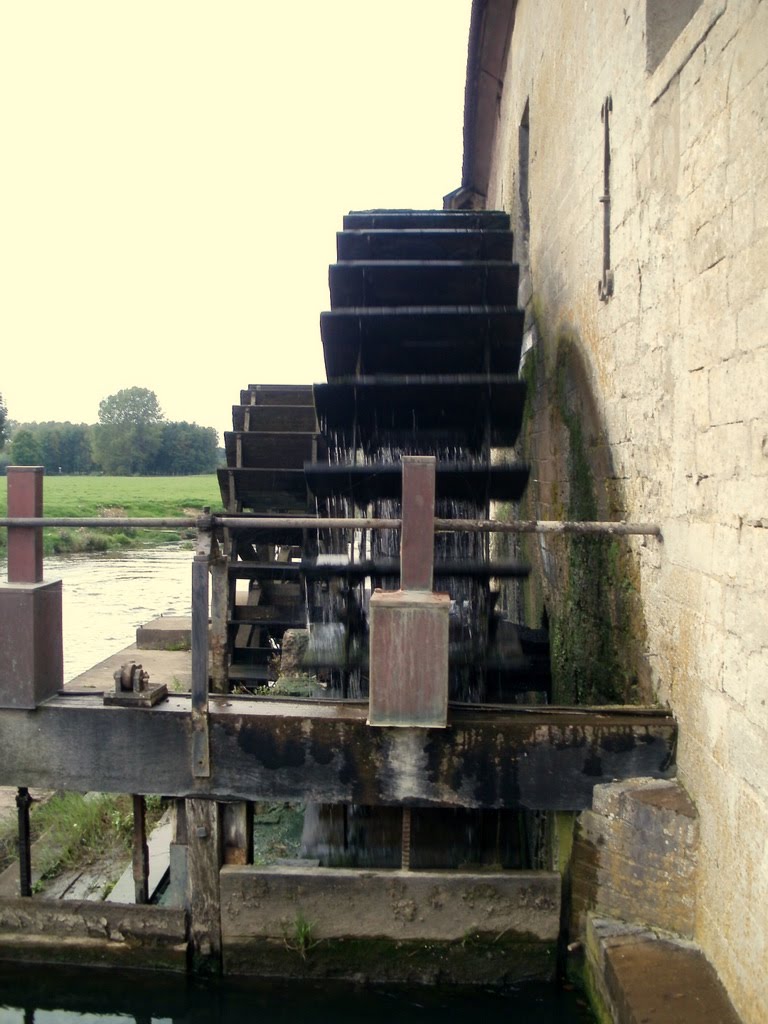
<point>548,526</point>
<point>621,529</point>
<point>101,522</point>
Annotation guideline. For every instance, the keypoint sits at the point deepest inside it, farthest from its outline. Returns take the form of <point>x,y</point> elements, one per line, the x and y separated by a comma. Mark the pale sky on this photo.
<point>172,175</point>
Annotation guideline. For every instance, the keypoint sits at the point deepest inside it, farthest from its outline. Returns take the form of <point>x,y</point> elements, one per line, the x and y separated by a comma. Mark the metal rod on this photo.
<point>405,841</point>
<point>104,521</point>
<point>547,526</point>
<point>622,529</point>
<point>23,802</point>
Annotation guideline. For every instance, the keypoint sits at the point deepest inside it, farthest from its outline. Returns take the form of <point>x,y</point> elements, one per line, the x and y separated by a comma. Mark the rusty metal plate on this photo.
<point>409,659</point>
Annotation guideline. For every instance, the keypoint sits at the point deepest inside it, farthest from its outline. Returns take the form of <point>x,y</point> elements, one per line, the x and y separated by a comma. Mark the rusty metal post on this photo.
<point>140,850</point>
<point>25,544</point>
<point>417,541</point>
<point>31,654</point>
<point>23,803</point>
<point>409,627</point>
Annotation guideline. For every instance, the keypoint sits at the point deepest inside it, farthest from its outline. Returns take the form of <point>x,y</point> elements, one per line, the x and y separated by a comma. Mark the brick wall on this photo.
<point>676,368</point>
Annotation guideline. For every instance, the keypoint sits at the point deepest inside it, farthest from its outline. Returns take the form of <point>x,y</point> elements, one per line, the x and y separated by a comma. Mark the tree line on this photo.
<point>132,438</point>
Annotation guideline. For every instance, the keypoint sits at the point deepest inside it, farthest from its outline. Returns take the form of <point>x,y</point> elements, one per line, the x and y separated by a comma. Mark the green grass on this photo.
<point>97,496</point>
<point>70,830</point>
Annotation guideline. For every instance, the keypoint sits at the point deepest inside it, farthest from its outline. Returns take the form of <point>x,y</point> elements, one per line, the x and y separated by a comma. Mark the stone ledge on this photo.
<point>635,974</point>
<point>169,633</point>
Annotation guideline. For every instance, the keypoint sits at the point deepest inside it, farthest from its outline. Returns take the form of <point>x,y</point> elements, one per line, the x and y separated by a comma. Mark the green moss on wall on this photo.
<point>588,585</point>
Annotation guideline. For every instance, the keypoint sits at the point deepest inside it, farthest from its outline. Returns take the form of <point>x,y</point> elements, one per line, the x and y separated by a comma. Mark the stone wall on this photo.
<point>634,857</point>
<point>673,368</point>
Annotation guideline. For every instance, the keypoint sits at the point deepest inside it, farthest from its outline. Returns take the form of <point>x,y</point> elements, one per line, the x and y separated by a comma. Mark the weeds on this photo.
<point>301,940</point>
<point>77,829</point>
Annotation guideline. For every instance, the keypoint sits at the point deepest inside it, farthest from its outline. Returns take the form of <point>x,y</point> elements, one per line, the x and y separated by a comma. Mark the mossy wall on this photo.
<point>586,588</point>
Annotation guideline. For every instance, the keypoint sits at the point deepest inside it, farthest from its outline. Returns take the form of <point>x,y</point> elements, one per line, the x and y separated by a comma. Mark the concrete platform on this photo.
<point>166,633</point>
<point>638,975</point>
<point>174,668</point>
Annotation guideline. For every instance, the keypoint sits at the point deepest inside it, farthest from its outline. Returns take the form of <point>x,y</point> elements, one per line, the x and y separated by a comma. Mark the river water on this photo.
<point>56,996</point>
<point>106,595</point>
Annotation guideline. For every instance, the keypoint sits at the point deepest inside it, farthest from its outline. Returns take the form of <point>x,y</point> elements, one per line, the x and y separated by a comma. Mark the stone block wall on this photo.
<point>634,857</point>
<point>673,368</point>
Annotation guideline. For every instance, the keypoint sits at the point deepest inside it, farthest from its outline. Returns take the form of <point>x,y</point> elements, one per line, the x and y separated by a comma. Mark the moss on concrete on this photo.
<point>587,585</point>
<point>476,959</point>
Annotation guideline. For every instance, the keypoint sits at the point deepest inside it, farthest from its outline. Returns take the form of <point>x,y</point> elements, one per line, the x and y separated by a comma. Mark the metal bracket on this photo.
<point>605,285</point>
<point>132,689</point>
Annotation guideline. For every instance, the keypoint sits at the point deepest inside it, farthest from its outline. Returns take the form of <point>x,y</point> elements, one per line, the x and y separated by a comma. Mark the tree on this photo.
<point>127,437</point>
<point>185,449</point>
<point>131,406</point>
<point>25,450</point>
<point>3,422</point>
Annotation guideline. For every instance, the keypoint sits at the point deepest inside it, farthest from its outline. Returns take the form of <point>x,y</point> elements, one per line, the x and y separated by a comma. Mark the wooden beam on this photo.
<point>268,749</point>
<point>203,902</point>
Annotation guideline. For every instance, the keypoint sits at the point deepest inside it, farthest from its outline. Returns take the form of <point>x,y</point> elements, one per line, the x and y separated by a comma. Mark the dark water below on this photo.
<point>52,996</point>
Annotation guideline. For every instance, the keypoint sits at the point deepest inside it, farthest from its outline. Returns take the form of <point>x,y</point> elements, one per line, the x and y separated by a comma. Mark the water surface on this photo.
<point>106,595</point>
<point>57,996</point>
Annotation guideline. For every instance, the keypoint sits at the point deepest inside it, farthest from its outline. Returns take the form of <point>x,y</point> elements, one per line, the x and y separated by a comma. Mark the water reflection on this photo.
<point>63,996</point>
<point>106,595</point>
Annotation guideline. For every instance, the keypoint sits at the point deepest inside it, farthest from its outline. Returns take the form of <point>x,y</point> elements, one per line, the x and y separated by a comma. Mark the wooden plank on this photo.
<point>268,749</point>
<point>203,902</point>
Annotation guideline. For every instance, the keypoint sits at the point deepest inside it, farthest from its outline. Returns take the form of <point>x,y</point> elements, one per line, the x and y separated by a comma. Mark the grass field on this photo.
<point>141,496</point>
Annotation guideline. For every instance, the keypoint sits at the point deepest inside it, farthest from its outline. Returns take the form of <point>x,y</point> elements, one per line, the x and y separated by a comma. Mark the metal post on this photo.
<point>417,551</point>
<point>23,803</point>
<point>25,544</point>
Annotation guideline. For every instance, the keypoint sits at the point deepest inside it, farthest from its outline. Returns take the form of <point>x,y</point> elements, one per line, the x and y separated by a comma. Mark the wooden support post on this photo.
<point>218,632</point>
<point>203,900</point>
<point>237,831</point>
<point>201,767</point>
<point>140,850</point>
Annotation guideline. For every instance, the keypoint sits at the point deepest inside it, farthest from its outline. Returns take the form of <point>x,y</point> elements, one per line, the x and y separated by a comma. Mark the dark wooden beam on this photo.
<point>267,749</point>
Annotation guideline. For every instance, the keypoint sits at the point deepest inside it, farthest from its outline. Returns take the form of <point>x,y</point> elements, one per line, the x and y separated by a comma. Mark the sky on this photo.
<point>172,176</point>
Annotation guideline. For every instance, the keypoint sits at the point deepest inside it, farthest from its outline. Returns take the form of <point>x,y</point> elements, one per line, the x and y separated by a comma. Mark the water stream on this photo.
<point>106,595</point>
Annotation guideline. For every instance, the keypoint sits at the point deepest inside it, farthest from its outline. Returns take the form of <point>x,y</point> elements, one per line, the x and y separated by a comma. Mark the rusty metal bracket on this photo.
<point>132,689</point>
<point>605,285</point>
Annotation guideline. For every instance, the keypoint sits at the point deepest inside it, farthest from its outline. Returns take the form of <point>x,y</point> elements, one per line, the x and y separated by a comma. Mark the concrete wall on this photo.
<point>673,370</point>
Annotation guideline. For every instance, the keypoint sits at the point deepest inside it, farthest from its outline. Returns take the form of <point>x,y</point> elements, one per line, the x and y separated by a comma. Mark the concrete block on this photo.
<point>167,633</point>
<point>638,976</point>
<point>421,905</point>
<point>31,654</point>
<point>635,854</point>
